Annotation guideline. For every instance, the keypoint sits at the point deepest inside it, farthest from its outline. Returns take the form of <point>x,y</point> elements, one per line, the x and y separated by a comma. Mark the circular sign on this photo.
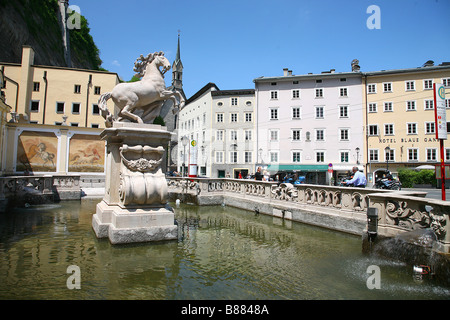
<point>441,92</point>
<point>193,143</point>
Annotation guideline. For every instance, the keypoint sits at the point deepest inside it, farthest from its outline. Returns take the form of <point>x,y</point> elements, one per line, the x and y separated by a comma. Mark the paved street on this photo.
<point>432,192</point>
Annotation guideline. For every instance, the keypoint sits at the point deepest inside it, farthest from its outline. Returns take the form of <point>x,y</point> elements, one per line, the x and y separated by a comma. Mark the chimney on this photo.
<point>355,65</point>
<point>285,72</point>
<point>290,72</point>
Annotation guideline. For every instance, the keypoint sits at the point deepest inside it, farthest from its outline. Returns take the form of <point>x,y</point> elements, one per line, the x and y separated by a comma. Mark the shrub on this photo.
<point>409,177</point>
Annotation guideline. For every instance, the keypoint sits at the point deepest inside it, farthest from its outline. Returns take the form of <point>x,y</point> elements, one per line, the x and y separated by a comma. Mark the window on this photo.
<point>273,156</point>
<point>274,95</point>
<point>248,156</point>
<point>274,114</point>
<point>94,125</point>
<point>248,135</point>
<point>320,156</point>
<point>429,128</point>
<point>411,128</point>
<point>446,82</point>
<point>60,107</point>
<point>410,105</point>
<point>219,135</point>
<point>219,156</point>
<point>343,134</point>
<point>36,86</point>
<point>373,155</point>
<point>319,112</point>
<point>219,117</point>
<point>372,107</point>
<point>389,129</point>
<point>372,88</point>
<point>97,90</point>
<point>343,111</point>
<point>344,156</point>
<point>319,93</point>
<point>431,154</point>
<point>343,92</point>
<point>273,135</point>
<point>248,117</point>
<point>388,107</point>
<point>428,104</point>
<point>320,135</point>
<point>95,109</point>
<point>296,134</point>
<point>233,157</point>
<point>387,87</point>
<point>447,154</point>
<point>234,117</point>
<point>234,101</point>
<point>410,86</point>
<point>427,84</point>
<point>447,103</point>
<point>389,155</point>
<point>74,124</point>
<point>77,88</point>
<point>34,106</point>
<point>373,130</point>
<point>295,94</point>
<point>233,135</point>
<point>296,113</point>
<point>413,155</point>
<point>75,108</point>
<point>296,156</point>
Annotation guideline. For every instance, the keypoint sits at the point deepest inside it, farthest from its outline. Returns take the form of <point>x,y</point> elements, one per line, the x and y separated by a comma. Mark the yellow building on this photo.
<point>400,118</point>
<point>54,123</point>
<point>54,95</point>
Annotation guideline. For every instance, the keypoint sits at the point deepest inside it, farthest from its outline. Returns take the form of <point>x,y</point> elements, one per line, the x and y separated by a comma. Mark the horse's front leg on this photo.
<point>127,112</point>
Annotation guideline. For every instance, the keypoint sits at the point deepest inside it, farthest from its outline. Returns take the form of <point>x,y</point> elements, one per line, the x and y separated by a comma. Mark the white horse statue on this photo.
<point>142,101</point>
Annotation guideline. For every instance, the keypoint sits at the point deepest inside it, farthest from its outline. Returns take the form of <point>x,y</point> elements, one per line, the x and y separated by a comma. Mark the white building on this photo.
<point>307,122</point>
<point>222,123</point>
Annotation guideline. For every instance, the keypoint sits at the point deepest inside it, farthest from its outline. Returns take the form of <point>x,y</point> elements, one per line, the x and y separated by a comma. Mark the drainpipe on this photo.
<point>45,96</point>
<point>87,99</point>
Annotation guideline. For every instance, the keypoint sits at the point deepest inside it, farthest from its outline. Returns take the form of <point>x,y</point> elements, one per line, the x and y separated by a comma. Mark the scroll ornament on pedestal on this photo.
<point>142,181</point>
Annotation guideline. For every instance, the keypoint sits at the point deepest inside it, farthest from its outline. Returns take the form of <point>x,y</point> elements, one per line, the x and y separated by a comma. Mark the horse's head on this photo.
<point>157,59</point>
<point>162,61</point>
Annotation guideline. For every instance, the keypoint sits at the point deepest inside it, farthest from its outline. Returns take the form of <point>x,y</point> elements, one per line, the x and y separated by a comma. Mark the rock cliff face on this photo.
<point>35,23</point>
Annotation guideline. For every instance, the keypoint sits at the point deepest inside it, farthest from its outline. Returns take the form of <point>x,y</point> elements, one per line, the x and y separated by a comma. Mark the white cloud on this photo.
<point>115,63</point>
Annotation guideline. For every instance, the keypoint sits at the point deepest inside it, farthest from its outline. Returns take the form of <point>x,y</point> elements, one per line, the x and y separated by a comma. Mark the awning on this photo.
<point>298,167</point>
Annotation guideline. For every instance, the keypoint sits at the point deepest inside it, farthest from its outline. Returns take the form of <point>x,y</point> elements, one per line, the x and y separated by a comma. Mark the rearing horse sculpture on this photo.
<point>142,101</point>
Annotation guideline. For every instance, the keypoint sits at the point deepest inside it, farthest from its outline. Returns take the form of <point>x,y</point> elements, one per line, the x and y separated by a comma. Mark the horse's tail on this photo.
<point>109,118</point>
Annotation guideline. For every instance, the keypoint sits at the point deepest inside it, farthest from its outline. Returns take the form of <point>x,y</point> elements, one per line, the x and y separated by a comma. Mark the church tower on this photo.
<point>177,70</point>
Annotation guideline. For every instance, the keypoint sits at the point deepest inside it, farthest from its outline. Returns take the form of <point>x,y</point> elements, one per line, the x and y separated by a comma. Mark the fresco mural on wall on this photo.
<point>37,152</point>
<point>86,153</point>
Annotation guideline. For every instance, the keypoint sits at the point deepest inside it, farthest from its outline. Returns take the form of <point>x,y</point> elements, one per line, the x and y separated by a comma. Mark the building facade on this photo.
<point>400,118</point>
<point>53,95</point>
<point>310,123</point>
<point>222,124</point>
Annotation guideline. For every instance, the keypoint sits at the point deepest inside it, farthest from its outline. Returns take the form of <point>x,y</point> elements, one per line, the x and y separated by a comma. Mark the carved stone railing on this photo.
<point>23,188</point>
<point>398,211</point>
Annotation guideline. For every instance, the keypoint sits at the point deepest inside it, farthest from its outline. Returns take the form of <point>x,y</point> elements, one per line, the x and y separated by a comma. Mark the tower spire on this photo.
<point>177,69</point>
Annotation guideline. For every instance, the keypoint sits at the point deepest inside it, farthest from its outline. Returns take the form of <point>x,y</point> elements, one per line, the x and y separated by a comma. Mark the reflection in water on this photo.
<point>221,253</point>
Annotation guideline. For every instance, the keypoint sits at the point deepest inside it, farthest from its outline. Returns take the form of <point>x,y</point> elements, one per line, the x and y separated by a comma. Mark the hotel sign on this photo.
<point>439,111</point>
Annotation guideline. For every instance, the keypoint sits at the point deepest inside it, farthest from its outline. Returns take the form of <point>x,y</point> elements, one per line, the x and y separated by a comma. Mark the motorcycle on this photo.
<point>388,183</point>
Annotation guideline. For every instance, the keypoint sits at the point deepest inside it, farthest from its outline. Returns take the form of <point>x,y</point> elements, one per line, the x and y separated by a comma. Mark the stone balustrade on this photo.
<point>19,190</point>
<point>339,208</point>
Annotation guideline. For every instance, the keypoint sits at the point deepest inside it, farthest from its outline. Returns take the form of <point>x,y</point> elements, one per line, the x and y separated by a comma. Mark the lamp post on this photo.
<point>387,154</point>
<point>184,141</point>
<point>357,155</point>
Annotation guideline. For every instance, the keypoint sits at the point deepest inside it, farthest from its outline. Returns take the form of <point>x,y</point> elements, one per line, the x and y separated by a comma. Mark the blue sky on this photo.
<point>233,42</point>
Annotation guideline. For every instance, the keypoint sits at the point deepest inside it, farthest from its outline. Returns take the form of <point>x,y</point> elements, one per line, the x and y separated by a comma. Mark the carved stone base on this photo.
<point>123,225</point>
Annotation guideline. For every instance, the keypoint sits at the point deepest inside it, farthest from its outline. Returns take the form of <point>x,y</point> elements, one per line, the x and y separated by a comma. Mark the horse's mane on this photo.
<point>141,63</point>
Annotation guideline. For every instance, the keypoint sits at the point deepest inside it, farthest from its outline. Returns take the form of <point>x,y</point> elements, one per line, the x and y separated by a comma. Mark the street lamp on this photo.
<point>387,154</point>
<point>357,155</point>
<point>184,141</point>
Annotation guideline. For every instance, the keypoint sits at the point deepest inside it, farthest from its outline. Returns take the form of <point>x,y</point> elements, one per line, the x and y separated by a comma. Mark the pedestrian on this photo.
<point>258,174</point>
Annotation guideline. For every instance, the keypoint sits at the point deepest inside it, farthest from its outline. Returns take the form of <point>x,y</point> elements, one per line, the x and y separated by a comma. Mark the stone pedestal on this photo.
<point>134,208</point>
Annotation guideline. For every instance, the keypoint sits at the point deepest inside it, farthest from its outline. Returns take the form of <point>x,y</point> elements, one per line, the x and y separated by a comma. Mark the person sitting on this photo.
<point>359,179</point>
